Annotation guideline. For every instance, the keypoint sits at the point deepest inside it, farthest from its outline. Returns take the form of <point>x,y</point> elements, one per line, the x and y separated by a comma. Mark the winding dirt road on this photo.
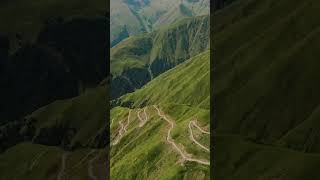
<point>185,156</point>
<point>120,135</point>
<point>90,168</point>
<point>128,121</point>
<point>63,166</point>
<point>111,122</point>
<point>203,131</point>
<point>193,123</point>
<point>84,158</point>
<point>36,160</point>
<point>142,120</point>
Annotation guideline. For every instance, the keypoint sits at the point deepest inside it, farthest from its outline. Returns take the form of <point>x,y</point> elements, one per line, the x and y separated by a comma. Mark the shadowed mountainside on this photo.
<point>67,58</point>
<point>265,90</point>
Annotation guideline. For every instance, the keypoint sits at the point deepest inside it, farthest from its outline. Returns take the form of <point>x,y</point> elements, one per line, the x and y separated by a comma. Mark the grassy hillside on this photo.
<point>141,148</point>
<point>138,59</point>
<point>28,161</point>
<point>34,148</point>
<point>130,17</point>
<point>177,85</point>
<point>29,17</point>
<point>265,89</point>
<point>52,55</point>
<point>80,121</point>
<point>67,58</point>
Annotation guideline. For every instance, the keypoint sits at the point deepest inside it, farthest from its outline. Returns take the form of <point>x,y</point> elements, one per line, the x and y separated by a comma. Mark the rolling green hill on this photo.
<point>138,59</point>
<point>266,90</point>
<point>139,145</point>
<point>131,17</point>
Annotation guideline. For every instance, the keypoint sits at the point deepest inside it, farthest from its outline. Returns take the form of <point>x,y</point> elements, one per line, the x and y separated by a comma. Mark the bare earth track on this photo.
<point>193,123</point>
<point>184,155</point>
<point>63,166</point>
<point>144,118</point>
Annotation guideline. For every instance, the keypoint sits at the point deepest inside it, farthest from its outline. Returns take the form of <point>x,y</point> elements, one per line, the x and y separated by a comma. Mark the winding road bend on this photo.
<point>120,135</point>
<point>128,121</point>
<point>203,131</point>
<point>193,123</point>
<point>142,120</point>
<point>185,156</point>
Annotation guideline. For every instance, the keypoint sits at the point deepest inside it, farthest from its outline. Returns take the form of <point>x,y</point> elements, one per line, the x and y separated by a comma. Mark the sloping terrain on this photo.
<point>66,58</point>
<point>132,17</point>
<point>265,90</point>
<point>53,77</point>
<point>72,132</point>
<point>137,60</point>
<point>28,161</point>
<point>151,135</point>
<point>29,17</point>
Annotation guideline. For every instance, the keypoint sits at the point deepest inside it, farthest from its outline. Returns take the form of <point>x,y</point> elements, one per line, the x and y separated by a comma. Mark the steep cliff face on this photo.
<point>137,60</point>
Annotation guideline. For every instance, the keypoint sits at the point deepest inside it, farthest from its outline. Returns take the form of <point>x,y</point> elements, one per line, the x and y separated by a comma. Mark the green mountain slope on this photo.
<point>30,16</point>
<point>73,129</point>
<point>53,109</point>
<point>131,17</point>
<point>265,89</point>
<point>139,144</point>
<point>67,58</point>
<point>177,85</point>
<point>28,161</point>
<point>80,121</point>
<point>138,59</point>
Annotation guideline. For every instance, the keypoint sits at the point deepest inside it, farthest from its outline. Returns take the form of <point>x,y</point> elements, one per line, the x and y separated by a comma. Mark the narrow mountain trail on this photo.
<point>144,119</point>
<point>193,123</point>
<point>150,72</point>
<point>36,160</point>
<point>203,131</point>
<point>63,166</point>
<point>145,114</point>
<point>184,155</point>
<point>90,168</point>
<point>128,121</point>
<point>84,159</point>
<point>123,129</point>
<point>120,133</point>
<point>111,122</point>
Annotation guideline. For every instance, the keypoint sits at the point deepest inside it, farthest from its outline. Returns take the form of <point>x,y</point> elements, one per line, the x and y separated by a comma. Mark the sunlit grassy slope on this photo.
<point>137,60</point>
<point>186,84</point>
<point>130,17</point>
<point>143,153</point>
<point>266,89</point>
